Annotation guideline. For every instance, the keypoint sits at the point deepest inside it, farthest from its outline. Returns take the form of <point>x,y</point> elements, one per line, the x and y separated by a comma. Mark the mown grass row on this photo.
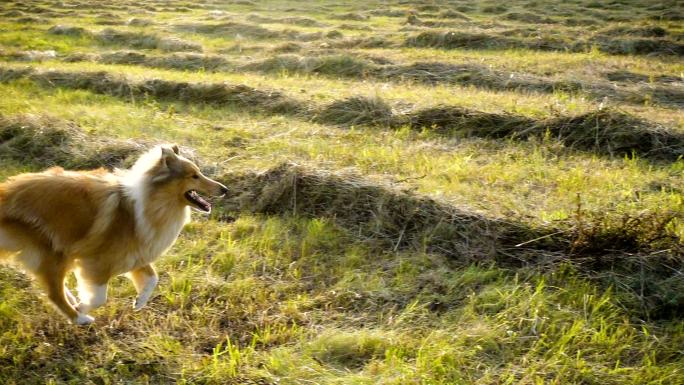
<point>662,91</point>
<point>602,131</point>
<point>618,40</point>
<point>605,43</point>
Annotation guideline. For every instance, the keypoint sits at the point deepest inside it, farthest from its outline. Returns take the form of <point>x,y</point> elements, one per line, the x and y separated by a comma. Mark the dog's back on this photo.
<point>56,205</point>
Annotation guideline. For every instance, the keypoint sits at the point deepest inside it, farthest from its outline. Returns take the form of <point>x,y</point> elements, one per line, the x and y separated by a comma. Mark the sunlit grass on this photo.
<point>298,300</point>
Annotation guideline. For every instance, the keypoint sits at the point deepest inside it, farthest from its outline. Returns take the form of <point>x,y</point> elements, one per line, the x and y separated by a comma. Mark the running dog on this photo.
<point>99,224</point>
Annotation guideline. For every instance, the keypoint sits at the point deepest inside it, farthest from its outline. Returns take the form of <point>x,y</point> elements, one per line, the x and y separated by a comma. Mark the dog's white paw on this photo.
<point>143,297</point>
<point>139,303</point>
<point>83,308</point>
<point>84,319</point>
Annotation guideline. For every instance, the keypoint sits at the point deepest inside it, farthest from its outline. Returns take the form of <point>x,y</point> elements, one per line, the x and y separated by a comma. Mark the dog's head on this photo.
<point>177,176</point>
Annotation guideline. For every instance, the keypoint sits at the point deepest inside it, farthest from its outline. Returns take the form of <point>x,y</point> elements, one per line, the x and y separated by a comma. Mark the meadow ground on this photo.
<point>422,192</point>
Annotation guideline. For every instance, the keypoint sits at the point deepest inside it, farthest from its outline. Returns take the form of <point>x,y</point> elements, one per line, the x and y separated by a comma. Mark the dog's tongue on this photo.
<point>205,205</point>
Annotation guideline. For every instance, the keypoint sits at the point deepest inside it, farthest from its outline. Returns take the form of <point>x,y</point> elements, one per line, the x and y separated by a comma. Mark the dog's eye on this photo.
<point>195,176</point>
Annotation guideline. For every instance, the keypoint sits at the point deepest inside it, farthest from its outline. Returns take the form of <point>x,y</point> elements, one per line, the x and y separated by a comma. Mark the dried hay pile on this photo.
<point>118,85</point>
<point>334,65</point>
<point>464,122</point>
<point>615,133</point>
<point>141,40</point>
<point>389,217</point>
<point>604,131</point>
<point>181,61</point>
<point>620,45</point>
<point>633,253</point>
<point>45,141</point>
<point>357,110</point>
<point>68,31</point>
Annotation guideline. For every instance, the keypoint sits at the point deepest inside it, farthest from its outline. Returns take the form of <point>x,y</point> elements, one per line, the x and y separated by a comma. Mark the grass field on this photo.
<point>421,192</point>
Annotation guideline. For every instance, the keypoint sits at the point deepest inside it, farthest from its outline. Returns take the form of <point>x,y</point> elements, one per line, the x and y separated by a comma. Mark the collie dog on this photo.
<point>99,224</point>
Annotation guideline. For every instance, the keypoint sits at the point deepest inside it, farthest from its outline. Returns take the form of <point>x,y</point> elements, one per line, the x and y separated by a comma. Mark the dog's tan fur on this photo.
<point>99,224</point>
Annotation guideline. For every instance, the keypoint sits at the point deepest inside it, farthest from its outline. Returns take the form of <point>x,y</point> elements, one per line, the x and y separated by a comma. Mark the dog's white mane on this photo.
<point>136,186</point>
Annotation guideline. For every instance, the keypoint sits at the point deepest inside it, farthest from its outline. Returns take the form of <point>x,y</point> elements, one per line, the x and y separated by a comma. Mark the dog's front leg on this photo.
<point>145,280</point>
<point>70,297</point>
<point>92,294</point>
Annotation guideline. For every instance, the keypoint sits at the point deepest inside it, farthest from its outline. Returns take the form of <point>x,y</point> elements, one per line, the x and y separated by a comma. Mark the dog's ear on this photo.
<point>175,149</point>
<point>168,155</point>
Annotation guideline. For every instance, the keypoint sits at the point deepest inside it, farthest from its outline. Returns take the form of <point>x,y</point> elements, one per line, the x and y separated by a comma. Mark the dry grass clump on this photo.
<point>640,46</point>
<point>362,42</point>
<point>545,42</point>
<point>357,110</point>
<point>11,74</point>
<point>457,39</point>
<point>132,39</point>
<point>334,34</point>
<point>453,14</point>
<point>80,57</point>
<point>627,76</point>
<point>399,219</point>
<point>641,31</point>
<point>495,9</point>
<point>30,56</point>
<point>139,22</point>
<point>109,21</point>
<point>666,95</point>
<point>99,82</point>
<point>355,16</point>
<point>31,20</point>
<point>68,31</point>
<point>604,131</point>
<point>123,57</point>
<point>189,61</point>
<point>146,41</point>
<point>287,47</point>
<point>13,13</point>
<point>211,93</point>
<point>615,133</point>
<point>45,141</point>
<point>295,20</point>
<point>391,218</point>
<point>465,74</point>
<point>180,61</point>
<point>528,17</point>
<point>635,253</point>
<point>221,94</point>
<point>335,65</point>
<point>580,21</point>
<point>175,44</point>
<point>464,122</point>
<point>388,12</point>
<point>353,27</point>
<point>231,29</point>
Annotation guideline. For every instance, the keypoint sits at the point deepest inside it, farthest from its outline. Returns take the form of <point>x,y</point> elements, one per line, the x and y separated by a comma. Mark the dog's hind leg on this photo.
<point>145,280</point>
<point>51,274</point>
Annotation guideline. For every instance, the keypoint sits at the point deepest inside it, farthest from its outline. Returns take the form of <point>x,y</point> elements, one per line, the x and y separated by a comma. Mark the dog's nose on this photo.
<point>224,190</point>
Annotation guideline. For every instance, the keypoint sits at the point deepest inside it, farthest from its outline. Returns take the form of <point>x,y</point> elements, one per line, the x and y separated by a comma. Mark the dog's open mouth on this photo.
<point>197,201</point>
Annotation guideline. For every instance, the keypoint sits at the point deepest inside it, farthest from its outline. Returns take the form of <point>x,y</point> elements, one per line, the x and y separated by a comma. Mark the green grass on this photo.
<point>296,299</point>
